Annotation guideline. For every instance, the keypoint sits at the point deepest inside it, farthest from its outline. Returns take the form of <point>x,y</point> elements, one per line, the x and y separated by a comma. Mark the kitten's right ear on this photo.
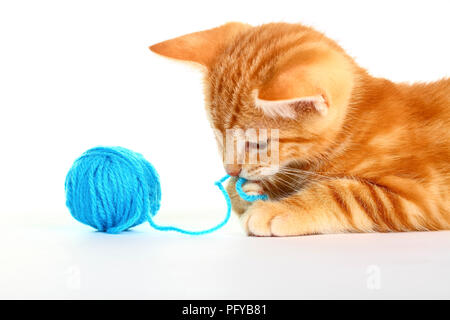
<point>200,47</point>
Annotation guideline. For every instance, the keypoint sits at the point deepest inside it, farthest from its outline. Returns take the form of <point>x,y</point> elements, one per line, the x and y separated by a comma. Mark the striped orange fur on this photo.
<point>357,153</point>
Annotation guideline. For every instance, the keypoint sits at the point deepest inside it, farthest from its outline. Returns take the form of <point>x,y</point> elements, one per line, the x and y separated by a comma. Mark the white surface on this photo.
<point>76,74</point>
<point>67,260</point>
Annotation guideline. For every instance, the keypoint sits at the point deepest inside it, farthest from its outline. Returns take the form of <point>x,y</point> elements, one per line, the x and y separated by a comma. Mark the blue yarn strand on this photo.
<point>219,184</point>
<point>247,197</point>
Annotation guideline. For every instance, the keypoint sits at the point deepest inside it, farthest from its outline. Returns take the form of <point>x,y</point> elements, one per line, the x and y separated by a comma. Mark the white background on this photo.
<point>77,74</point>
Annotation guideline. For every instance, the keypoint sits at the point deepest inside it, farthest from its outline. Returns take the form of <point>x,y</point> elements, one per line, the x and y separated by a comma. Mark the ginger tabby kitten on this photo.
<point>356,153</point>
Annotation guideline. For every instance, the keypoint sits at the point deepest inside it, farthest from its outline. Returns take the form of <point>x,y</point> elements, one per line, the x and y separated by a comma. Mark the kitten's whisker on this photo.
<point>303,173</point>
<point>284,192</point>
<point>291,182</point>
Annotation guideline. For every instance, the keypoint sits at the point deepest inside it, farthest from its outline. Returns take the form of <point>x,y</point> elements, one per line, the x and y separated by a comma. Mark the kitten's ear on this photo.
<point>291,108</point>
<point>200,47</point>
<point>313,81</point>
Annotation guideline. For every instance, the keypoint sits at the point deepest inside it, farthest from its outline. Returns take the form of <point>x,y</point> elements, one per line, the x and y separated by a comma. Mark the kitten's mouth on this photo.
<point>262,173</point>
<point>257,179</point>
<point>249,177</point>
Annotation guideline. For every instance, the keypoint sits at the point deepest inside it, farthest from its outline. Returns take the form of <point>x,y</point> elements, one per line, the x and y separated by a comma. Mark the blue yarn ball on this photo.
<point>112,189</point>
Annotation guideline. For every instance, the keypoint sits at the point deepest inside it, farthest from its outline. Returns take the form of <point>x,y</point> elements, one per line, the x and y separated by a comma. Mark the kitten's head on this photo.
<point>276,94</point>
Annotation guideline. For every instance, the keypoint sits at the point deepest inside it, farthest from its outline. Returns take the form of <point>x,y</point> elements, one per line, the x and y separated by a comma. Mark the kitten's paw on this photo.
<point>238,204</point>
<point>266,219</point>
<point>252,188</point>
<point>257,220</point>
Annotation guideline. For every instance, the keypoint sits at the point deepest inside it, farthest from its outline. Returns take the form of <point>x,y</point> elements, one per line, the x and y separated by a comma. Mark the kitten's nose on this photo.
<point>233,169</point>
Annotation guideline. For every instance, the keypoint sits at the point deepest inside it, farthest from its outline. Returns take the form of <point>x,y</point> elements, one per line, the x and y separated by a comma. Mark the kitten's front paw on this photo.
<point>252,188</point>
<point>266,219</point>
<point>238,204</point>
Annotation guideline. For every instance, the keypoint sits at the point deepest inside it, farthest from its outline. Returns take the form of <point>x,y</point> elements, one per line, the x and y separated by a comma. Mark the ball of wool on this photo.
<point>112,189</point>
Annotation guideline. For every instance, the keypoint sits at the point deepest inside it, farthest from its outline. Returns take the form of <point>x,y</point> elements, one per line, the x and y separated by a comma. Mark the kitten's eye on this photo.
<point>256,145</point>
<point>262,145</point>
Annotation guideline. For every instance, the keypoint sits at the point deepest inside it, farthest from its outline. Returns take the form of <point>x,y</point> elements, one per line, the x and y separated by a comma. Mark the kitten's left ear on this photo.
<point>199,47</point>
<point>315,81</point>
<point>291,108</point>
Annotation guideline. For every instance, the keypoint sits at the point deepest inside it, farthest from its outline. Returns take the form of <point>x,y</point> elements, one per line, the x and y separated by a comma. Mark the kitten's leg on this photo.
<point>340,205</point>
<point>238,204</point>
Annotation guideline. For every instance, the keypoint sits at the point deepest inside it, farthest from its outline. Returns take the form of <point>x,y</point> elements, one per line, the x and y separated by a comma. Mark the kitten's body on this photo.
<point>375,158</point>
